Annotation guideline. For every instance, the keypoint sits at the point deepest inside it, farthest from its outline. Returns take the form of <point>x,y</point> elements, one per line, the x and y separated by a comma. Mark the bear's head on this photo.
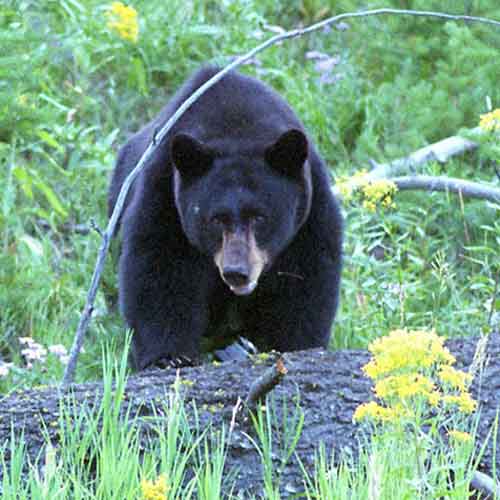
<point>242,209</point>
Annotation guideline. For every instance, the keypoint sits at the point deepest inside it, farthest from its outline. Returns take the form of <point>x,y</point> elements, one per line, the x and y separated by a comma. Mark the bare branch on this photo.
<point>440,151</point>
<point>467,189</point>
<point>160,135</point>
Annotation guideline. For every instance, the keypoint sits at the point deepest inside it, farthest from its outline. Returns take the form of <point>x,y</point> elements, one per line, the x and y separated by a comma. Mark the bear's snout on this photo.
<point>240,261</point>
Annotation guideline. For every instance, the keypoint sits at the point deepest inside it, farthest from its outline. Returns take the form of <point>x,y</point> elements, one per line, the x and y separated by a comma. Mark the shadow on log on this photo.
<point>331,385</point>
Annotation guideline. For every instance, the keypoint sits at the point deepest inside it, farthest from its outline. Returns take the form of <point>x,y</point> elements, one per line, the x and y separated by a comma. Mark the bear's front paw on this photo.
<point>237,351</point>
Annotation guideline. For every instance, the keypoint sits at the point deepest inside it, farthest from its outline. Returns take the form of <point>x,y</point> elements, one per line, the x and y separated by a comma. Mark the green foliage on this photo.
<point>387,468</point>
<point>71,91</point>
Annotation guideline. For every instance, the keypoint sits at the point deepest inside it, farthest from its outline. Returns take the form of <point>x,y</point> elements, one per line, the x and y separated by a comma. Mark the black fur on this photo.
<point>236,155</point>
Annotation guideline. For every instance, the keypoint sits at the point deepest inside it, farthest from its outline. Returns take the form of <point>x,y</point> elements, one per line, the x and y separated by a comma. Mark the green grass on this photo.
<point>71,91</point>
<point>430,262</point>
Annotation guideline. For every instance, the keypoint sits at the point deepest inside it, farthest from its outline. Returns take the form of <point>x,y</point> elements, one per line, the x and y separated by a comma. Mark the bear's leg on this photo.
<point>164,299</point>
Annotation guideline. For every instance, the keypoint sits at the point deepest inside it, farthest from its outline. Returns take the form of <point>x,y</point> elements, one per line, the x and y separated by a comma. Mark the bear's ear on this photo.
<point>288,153</point>
<point>191,157</point>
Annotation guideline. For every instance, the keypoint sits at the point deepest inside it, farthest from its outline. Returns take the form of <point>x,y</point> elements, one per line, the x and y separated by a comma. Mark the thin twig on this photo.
<point>158,138</point>
<point>95,227</point>
<point>234,414</point>
<point>493,300</point>
<point>67,227</point>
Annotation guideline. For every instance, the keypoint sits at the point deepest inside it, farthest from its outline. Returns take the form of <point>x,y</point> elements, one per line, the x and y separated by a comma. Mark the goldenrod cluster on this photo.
<point>406,350</point>
<point>462,401</point>
<point>123,21</point>
<point>490,122</point>
<point>413,369</point>
<point>374,411</point>
<point>379,191</point>
<point>454,378</point>
<point>155,490</point>
<point>407,386</point>
<point>373,193</point>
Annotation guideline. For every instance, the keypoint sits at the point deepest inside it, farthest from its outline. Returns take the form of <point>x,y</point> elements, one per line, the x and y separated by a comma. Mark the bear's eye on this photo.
<point>253,216</point>
<point>259,218</point>
<point>221,219</point>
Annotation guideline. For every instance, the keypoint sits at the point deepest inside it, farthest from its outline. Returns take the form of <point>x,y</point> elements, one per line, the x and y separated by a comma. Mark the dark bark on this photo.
<point>331,385</point>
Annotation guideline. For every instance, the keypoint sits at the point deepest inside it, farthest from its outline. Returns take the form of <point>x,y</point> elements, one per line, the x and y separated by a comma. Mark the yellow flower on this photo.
<point>369,205</point>
<point>408,350</point>
<point>374,192</point>
<point>455,378</point>
<point>412,371</point>
<point>405,386</point>
<point>378,191</point>
<point>373,411</point>
<point>155,490</point>
<point>462,437</point>
<point>434,398</point>
<point>490,122</point>
<point>463,401</point>
<point>123,21</point>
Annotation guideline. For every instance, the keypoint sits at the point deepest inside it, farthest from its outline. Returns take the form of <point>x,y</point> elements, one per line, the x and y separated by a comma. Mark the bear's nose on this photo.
<point>236,276</point>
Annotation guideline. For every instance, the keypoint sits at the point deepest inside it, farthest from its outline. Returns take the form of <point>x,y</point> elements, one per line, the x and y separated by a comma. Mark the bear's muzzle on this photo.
<point>240,261</point>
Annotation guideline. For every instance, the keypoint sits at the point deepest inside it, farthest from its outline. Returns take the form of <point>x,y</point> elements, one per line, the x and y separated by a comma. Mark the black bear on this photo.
<point>233,212</point>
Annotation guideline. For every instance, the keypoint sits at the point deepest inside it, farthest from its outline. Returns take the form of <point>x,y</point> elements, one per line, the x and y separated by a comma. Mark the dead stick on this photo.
<point>265,384</point>
<point>485,485</point>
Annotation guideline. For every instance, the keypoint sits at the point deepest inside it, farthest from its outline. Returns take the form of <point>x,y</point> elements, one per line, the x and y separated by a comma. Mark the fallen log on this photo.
<point>330,384</point>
